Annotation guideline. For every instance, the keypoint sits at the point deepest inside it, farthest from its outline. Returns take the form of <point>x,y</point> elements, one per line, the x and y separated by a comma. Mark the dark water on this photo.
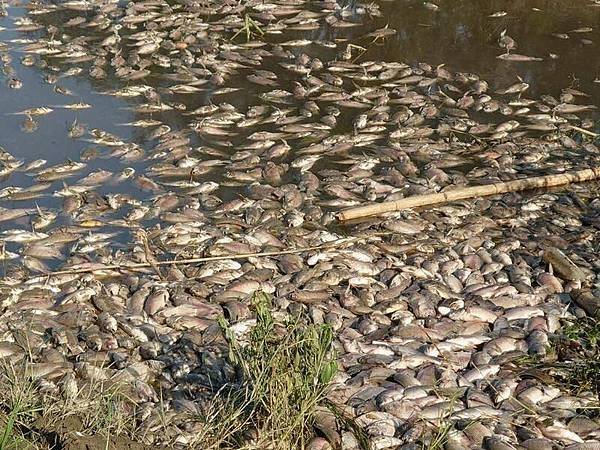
<point>459,34</point>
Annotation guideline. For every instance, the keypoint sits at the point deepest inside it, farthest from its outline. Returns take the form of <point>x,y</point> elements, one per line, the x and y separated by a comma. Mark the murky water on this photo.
<point>462,35</point>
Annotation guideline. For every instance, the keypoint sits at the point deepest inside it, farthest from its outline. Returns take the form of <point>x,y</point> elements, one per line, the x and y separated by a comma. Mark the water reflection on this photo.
<point>462,35</point>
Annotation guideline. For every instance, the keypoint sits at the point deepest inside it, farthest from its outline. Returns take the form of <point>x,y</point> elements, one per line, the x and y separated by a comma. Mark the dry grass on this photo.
<point>573,359</point>
<point>33,419</point>
<point>579,352</point>
<point>17,411</point>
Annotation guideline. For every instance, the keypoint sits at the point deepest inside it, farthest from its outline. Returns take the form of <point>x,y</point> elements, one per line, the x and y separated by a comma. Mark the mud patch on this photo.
<point>66,436</point>
<point>74,442</point>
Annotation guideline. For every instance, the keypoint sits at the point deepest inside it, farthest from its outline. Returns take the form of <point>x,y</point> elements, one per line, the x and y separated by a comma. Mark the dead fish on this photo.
<point>517,57</point>
<point>76,130</point>
<point>29,125</point>
<point>75,106</point>
<point>582,30</point>
<point>382,32</point>
<point>514,89</point>
<point>563,265</point>
<point>506,42</point>
<point>41,111</point>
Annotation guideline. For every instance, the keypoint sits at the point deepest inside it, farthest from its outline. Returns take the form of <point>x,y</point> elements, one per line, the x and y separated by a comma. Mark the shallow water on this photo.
<point>459,34</point>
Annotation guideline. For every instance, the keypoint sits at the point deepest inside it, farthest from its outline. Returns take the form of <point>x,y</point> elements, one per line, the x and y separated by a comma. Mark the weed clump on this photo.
<point>285,373</point>
<point>579,348</point>
<point>573,359</point>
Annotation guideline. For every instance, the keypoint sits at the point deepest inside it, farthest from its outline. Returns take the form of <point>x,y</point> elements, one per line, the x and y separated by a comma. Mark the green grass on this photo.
<point>28,417</point>
<point>579,348</point>
<point>439,437</point>
<point>585,332</point>
<point>285,373</point>
<point>251,29</point>
<point>17,410</point>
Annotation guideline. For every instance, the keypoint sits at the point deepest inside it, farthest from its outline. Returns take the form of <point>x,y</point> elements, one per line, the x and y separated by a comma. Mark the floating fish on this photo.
<point>518,58</point>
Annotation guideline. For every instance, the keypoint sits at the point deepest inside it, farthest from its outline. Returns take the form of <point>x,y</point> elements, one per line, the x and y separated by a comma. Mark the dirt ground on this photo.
<point>100,443</point>
<point>66,438</point>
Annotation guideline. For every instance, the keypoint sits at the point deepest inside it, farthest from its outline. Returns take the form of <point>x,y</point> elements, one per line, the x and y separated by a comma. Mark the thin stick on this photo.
<point>584,131</point>
<point>333,244</point>
<point>469,192</point>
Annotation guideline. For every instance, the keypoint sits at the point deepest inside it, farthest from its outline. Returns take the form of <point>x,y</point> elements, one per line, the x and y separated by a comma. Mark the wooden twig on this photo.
<point>583,131</point>
<point>469,192</point>
<point>330,245</point>
<point>149,255</point>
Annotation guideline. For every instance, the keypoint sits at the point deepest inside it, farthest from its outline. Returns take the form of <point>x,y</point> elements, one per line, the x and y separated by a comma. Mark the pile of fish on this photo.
<point>433,310</point>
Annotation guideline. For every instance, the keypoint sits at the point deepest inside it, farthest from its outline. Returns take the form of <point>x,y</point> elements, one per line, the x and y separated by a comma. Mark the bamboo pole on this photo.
<point>469,192</point>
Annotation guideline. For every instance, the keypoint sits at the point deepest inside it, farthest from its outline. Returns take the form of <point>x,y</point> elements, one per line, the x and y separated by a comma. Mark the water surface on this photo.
<point>462,35</point>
